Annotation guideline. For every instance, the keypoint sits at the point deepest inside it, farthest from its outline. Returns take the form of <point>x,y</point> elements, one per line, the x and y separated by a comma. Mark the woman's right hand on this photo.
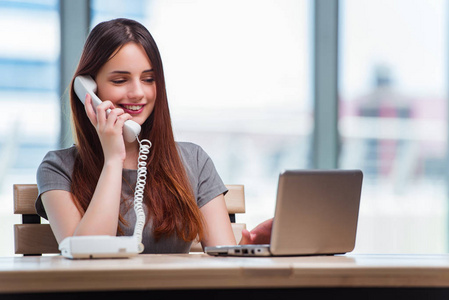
<point>109,128</point>
<point>102,215</point>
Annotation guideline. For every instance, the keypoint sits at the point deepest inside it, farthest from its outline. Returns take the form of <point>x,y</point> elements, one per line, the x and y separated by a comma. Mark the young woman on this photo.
<point>88,188</point>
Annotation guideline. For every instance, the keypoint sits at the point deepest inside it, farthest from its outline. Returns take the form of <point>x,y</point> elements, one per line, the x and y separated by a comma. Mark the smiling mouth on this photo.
<point>132,107</point>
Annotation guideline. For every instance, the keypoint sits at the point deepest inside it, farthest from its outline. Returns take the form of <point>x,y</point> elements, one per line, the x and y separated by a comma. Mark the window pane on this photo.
<point>393,121</point>
<point>238,84</point>
<point>103,10</point>
<point>29,84</point>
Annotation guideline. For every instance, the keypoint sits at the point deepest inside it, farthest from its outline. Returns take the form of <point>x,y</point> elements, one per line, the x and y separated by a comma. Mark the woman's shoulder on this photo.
<point>190,151</point>
<point>192,154</point>
<point>187,146</point>
<point>62,155</point>
<point>60,160</point>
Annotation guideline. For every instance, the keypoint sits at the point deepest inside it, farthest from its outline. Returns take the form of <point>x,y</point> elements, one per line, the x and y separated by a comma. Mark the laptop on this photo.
<point>316,214</point>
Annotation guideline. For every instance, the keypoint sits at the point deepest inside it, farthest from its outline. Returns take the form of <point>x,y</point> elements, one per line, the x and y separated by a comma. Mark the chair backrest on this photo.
<point>33,238</point>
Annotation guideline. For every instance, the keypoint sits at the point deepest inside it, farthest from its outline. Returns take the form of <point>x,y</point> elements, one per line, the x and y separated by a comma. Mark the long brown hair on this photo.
<point>168,194</point>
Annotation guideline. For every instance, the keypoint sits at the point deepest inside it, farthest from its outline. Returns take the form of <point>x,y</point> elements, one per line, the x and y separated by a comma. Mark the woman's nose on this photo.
<point>136,90</point>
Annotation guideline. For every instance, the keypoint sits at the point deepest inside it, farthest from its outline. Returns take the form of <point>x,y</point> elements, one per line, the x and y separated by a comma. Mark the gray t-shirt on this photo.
<point>55,173</point>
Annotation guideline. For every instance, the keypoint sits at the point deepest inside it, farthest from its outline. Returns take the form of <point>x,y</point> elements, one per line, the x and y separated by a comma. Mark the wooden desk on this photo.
<point>223,277</point>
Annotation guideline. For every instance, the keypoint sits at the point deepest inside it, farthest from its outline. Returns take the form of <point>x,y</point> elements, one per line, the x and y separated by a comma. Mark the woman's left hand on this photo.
<point>261,234</point>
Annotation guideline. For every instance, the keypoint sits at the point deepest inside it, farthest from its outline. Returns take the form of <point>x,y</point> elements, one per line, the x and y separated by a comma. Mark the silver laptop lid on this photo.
<point>316,212</point>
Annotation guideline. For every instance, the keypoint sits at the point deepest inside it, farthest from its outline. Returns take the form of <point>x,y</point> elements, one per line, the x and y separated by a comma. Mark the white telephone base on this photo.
<point>99,246</point>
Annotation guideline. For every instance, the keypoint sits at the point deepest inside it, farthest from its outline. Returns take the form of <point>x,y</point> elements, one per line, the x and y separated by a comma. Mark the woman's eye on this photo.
<point>149,80</point>
<point>118,81</point>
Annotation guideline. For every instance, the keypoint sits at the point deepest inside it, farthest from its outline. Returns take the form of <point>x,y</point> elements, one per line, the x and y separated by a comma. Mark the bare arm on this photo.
<point>61,212</point>
<point>100,218</point>
<point>218,230</point>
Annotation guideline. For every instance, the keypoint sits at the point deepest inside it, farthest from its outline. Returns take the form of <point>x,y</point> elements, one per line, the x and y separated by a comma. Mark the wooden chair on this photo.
<point>33,238</point>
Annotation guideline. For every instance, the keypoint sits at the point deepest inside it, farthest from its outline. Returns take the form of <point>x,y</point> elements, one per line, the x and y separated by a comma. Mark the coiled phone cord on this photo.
<point>144,150</point>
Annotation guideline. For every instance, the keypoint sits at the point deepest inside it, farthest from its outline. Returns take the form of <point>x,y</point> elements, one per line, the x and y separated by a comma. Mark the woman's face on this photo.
<point>127,80</point>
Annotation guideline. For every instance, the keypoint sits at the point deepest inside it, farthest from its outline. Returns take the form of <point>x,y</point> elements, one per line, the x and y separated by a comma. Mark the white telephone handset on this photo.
<point>83,85</point>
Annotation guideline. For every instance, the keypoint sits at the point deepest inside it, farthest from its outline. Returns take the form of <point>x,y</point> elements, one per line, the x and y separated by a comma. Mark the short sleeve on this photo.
<point>202,173</point>
<point>54,173</point>
<point>210,184</point>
